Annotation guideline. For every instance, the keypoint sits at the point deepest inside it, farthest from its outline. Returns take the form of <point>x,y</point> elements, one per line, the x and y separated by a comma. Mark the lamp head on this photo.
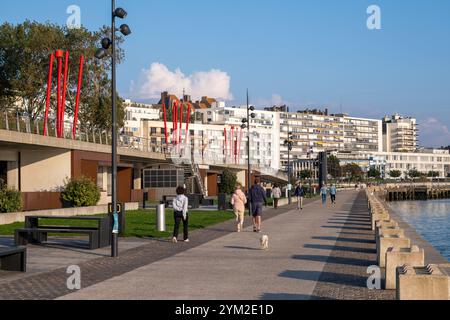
<point>120,13</point>
<point>125,30</point>
<point>106,43</point>
<point>100,53</point>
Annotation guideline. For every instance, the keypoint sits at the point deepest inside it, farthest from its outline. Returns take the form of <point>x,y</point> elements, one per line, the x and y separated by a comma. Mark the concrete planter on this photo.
<point>8,218</point>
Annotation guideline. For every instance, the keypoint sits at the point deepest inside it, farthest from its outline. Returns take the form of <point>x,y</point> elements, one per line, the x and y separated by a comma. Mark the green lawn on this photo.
<point>142,223</point>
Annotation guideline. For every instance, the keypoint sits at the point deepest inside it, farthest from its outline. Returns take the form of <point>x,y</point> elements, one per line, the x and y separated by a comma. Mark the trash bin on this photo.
<point>161,218</point>
<point>222,199</point>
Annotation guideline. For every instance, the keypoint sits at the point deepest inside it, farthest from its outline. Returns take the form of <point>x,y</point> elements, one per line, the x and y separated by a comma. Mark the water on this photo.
<point>431,219</point>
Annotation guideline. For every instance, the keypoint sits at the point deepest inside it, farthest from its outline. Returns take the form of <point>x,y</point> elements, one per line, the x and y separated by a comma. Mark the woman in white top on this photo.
<point>180,212</point>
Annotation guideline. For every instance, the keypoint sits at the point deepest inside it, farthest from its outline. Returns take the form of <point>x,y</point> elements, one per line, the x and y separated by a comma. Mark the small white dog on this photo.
<point>264,243</point>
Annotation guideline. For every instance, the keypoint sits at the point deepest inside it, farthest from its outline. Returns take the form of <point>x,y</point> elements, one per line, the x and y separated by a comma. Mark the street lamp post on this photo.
<point>246,124</point>
<point>289,143</point>
<point>100,54</point>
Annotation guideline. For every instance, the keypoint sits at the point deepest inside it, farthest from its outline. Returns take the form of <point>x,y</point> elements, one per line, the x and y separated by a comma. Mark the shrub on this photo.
<point>81,192</point>
<point>229,181</point>
<point>10,200</point>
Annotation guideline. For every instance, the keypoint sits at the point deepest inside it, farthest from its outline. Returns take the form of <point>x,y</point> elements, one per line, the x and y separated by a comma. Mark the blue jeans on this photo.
<point>324,199</point>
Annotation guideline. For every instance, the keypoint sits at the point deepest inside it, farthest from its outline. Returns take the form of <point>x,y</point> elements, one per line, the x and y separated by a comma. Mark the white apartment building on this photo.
<point>217,143</point>
<point>399,134</point>
<point>135,113</point>
<point>423,161</point>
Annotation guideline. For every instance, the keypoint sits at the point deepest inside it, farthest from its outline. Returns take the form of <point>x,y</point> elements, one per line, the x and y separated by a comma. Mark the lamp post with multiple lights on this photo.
<point>100,54</point>
<point>246,125</point>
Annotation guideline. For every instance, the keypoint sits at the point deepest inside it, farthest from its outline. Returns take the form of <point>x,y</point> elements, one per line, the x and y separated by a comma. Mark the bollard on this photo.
<point>422,283</point>
<point>390,241</point>
<point>379,217</point>
<point>161,218</point>
<point>397,257</point>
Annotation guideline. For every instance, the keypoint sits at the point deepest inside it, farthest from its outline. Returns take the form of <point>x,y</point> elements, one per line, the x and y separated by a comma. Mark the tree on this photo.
<point>414,174</point>
<point>374,173</point>
<point>353,171</point>
<point>24,62</point>
<point>433,174</point>
<point>395,174</point>
<point>334,167</point>
<point>305,174</point>
<point>228,182</point>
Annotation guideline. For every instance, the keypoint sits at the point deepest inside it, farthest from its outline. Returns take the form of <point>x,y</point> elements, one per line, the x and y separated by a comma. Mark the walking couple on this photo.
<point>258,199</point>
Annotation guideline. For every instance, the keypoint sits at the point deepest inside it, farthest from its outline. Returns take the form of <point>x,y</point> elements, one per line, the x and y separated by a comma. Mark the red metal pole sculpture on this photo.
<point>63,101</point>
<point>175,122</point>
<point>188,120</point>
<point>77,101</point>
<point>181,121</point>
<point>225,146</point>
<point>49,90</point>
<point>59,56</point>
<point>165,122</point>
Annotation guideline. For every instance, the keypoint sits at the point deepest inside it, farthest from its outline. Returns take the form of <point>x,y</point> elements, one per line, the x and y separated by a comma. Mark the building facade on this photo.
<point>400,134</point>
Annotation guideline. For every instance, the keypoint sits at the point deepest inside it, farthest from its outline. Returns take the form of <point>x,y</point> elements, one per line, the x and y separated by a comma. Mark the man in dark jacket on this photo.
<point>258,199</point>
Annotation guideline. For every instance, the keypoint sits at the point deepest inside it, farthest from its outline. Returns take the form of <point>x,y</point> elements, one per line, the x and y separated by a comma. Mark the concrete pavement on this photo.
<point>233,267</point>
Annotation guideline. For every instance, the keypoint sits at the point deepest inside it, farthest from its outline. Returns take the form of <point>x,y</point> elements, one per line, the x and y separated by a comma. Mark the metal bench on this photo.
<point>13,259</point>
<point>103,227</point>
<point>25,236</point>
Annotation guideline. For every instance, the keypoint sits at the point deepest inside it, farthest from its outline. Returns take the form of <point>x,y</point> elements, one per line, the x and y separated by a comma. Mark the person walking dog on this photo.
<point>258,199</point>
<point>239,200</point>
<point>180,213</point>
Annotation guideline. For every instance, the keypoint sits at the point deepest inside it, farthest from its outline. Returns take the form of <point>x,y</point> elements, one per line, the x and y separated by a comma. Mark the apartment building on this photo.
<point>400,134</point>
<point>424,161</point>
<point>135,113</point>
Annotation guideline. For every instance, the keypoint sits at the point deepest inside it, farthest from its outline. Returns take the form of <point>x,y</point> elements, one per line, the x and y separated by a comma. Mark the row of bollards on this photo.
<point>404,263</point>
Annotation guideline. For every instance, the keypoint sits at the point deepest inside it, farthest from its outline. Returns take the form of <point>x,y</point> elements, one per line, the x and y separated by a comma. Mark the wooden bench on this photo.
<point>25,236</point>
<point>13,259</point>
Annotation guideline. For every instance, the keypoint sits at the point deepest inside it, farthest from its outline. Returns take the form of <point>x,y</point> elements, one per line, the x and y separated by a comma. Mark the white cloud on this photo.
<point>158,78</point>
<point>434,133</point>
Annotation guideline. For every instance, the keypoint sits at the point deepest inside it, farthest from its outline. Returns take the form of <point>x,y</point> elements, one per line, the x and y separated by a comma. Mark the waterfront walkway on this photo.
<point>319,253</point>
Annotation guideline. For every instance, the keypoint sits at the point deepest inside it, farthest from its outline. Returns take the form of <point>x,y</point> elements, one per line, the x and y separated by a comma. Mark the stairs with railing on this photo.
<point>194,179</point>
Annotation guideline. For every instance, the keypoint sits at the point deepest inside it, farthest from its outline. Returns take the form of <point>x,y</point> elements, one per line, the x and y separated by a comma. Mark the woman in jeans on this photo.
<point>239,200</point>
<point>180,212</point>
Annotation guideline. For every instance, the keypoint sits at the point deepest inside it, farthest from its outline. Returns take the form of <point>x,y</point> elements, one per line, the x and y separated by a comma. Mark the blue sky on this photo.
<point>302,52</point>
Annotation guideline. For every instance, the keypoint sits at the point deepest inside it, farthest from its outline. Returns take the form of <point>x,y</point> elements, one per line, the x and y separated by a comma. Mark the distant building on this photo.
<point>135,113</point>
<point>399,134</point>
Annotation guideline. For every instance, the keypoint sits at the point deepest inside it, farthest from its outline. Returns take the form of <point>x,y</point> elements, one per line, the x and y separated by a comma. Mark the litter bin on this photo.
<point>161,218</point>
<point>222,199</point>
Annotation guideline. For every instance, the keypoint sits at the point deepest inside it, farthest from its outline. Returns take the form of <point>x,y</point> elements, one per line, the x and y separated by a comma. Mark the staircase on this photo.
<point>192,176</point>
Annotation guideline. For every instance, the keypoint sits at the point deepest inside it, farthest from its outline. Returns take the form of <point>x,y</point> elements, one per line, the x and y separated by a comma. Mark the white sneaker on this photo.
<point>187,240</point>
<point>174,240</point>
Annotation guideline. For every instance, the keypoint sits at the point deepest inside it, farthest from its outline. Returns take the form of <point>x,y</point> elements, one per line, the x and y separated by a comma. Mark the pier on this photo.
<point>416,192</point>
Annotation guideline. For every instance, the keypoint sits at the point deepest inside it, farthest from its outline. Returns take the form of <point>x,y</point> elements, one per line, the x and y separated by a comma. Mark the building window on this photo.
<point>163,178</point>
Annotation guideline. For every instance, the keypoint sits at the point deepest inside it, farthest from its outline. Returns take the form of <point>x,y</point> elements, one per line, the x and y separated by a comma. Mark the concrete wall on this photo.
<point>44,170</point>
<point>8,218</point>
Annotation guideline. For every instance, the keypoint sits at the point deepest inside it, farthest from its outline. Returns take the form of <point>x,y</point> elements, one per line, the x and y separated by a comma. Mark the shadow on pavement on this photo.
<point>355,240</point>
<point>339,248</point>
<point>328,277</point>
<point>335,260</point>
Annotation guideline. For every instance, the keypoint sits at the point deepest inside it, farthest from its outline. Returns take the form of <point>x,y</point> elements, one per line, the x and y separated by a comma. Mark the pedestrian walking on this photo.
<point>333,192</point>
<point>258,199</point>
<point>323,193</point>
<point>239,200</point>
<point>300,194</point>
<point>276,192</point>
<point>180,212</point>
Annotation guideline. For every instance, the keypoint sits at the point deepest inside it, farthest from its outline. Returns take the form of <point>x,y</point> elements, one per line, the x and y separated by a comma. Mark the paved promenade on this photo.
<point>320,253</point>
